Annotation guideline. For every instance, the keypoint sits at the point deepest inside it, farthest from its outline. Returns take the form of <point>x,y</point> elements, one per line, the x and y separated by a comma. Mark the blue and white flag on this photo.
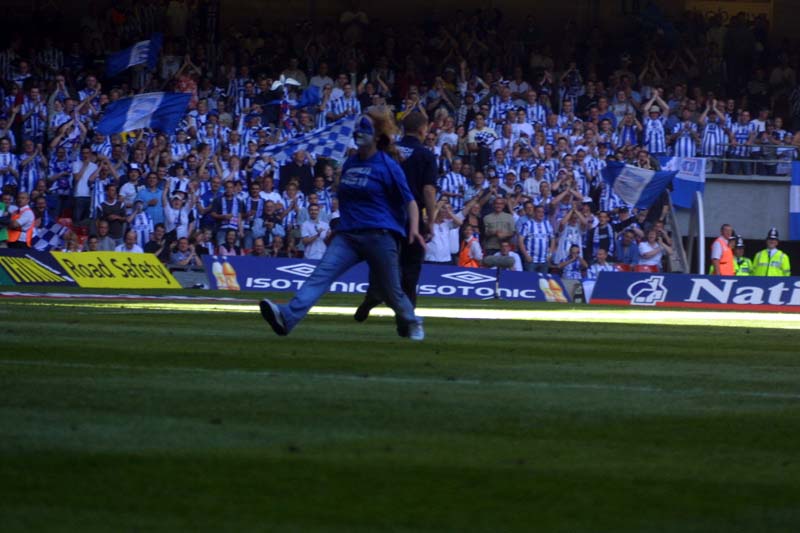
<point>49,238</point>
<point>159,111</point>
<point>690,179</point>
<point>143,52</point>
<point>330,142</point>
<point>636,186</point>
<point>794,203</point>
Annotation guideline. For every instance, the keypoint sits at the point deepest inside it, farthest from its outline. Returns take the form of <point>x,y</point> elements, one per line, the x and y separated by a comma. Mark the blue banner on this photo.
<point>280,274</point>
<point>741,293</point>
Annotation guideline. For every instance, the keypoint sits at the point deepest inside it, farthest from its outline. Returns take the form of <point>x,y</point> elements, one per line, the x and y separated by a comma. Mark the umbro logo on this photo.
<point>303,270</point>
<point>470,278</point>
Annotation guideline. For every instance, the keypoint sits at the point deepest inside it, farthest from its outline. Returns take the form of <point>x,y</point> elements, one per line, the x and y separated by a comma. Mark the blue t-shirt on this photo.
<point>373,194</point>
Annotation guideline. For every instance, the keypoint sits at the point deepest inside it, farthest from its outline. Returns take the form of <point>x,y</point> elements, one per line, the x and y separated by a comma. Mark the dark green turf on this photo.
<point>112,420</point>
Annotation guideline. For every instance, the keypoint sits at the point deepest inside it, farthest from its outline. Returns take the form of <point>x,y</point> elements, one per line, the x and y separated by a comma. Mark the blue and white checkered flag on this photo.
<point>49,238</point>
<point>331,142</point>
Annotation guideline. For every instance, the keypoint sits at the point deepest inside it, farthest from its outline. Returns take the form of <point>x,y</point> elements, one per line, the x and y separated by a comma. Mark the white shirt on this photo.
<point>517,261</point>
<point>136,249</point>
<point>128,195</point>
<point>438,249</point>
<point>316,249</point>
<point>645,247</point>
<point>177,219</point>
<point>82,180</point>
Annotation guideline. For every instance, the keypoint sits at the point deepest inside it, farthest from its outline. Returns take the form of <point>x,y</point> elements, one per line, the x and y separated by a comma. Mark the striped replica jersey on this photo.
<point>343,103</point>
<point>8,161</point>
<point>594,270</point>
<point>714,139</point>
<point>536,113</point>
<point>685,145</point>
<point>654,137</point>
<point>31,173</point>
<point>454,183</point>
<point>741,132</point>
<point>142,224</point>
<point>536,236</point>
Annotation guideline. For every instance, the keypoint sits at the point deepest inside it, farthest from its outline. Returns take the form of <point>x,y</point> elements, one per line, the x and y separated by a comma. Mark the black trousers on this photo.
<point>411,258</point>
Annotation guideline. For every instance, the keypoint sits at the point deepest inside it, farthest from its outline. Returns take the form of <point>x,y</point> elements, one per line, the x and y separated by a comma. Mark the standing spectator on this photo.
<point>112,211</point>
<point>228,212</point>
<point>438,248</point>
<point>22,222</point>
<point>744,134</point>
<point>84,172</point>
<point>498,226</point>
<point>314,233</point>
<point>536,241</point>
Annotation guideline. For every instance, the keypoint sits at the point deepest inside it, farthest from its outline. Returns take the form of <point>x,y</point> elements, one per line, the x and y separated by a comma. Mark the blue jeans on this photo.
<point>380,249</point>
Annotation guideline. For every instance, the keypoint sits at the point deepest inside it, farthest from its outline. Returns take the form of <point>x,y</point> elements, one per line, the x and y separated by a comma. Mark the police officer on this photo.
<point>771,261</point>
<point>742,265</point>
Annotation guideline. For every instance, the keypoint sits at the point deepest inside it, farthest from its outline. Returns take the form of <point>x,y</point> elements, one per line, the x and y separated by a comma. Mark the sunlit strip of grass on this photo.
<point>595,315</point>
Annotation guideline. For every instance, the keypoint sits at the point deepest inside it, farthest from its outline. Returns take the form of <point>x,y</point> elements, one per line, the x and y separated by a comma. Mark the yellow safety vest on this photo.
<point>777,265</point>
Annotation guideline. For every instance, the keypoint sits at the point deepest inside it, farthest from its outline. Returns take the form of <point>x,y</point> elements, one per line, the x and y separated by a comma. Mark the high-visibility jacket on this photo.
<point>777,265</point>
<point>726,259</point>
<point>21,234</point>
<point>743,266</point>
<point>464,259</point>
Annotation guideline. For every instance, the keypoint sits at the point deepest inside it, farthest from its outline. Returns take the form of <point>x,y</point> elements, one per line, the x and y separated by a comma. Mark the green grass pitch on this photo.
<point>114,418</point>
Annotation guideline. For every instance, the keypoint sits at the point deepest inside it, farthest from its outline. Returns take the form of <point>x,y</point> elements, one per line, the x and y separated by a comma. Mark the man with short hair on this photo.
<point>498,226</point>
<point>21,224</point>
<point>721,253</point>
<point>536,240</point>
<point>259,248</point>
<point>112,210</point>
<point>158,244</point>
<point>505,251</point>
<point>314,233</point>
<point>83,174</point>
<point>129,244</point>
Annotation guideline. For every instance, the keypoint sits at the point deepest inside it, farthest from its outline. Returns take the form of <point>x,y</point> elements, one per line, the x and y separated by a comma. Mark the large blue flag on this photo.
<point>690,179</point>
<point>143,52</point>
<point>636,186</point>
<point>159,111</point>
<point>794,203</point>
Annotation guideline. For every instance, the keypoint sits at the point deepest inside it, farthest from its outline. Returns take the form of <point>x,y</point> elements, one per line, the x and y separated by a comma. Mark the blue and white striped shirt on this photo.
<point>31,173</point>
<point>654,138</point>
<point>8,160</point>
<point>537,236</point>
<point>741,132</point>
<point>714,139</point>
<point>454,183</point>
<point>142,224</point>
<point>684,143</point>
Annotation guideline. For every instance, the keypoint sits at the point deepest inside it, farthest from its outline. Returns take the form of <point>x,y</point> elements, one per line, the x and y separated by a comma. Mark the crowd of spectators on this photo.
<point>521,125</point>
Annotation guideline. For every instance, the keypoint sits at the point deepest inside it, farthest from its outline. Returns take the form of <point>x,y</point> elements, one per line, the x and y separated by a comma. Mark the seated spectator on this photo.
<point>129,244</point>
<point>506,251</point>
<point>184,255</point>
<point>651,251</point>
<point>573,265</point>
<point>259,249</point>
<point>470,254</point>
<point>601,264</point>
<point>158,243</point>
<point>627,248</point>
<point>230,246</point>
<point>104,241</point>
